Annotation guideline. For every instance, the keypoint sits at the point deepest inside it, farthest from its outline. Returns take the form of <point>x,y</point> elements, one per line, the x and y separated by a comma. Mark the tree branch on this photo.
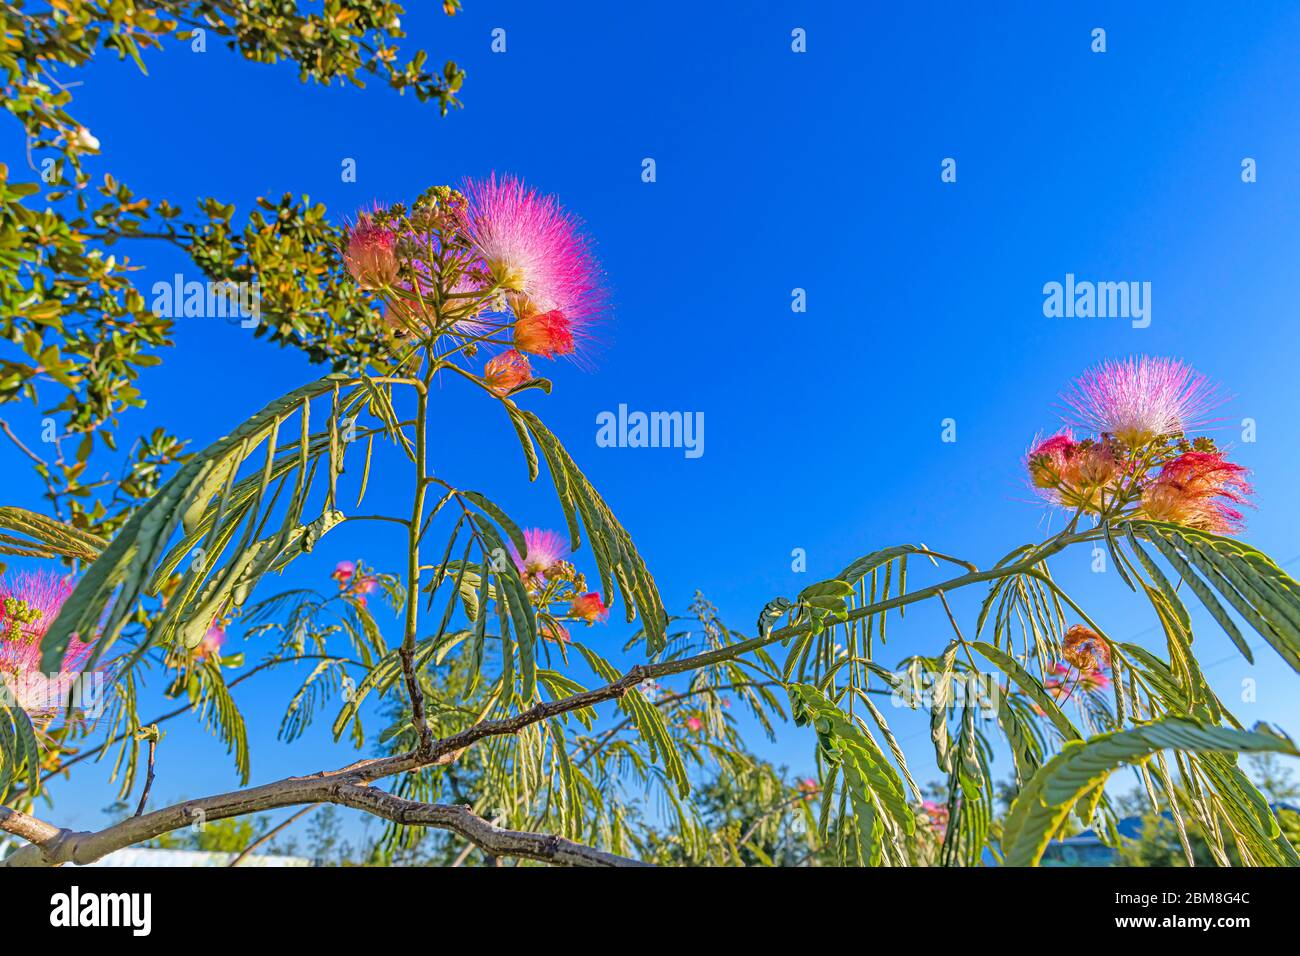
<point>50,846</point>
<point>492,839</point>
<point>28,827</point>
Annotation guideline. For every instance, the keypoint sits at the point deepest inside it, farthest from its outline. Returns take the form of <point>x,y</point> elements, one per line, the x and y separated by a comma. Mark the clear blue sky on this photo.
<point>779,170</point>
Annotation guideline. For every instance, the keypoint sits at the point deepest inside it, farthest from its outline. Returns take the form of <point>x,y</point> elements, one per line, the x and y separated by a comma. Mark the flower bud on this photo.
<point>370,256</point>
<point>589,608</point>
<point>546,333</point>
<point>506,372</point>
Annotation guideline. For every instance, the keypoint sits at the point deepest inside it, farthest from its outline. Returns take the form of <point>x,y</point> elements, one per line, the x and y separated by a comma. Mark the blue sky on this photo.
<point>777,171</point>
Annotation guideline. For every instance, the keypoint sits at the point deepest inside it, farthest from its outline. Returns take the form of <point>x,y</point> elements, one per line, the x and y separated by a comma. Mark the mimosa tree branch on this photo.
<point>350,786</point>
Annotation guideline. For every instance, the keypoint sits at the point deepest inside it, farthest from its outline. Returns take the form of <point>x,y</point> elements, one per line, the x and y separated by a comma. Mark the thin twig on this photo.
<point>4,427</point>
<point>269,834</point>
<point>152,735</point>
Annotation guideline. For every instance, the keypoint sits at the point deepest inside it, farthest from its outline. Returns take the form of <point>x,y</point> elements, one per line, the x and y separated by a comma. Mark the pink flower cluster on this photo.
<point>497,260</point>
<point>1087,658</point>
<point>1141,398</point>
<point>212,642</point>
<point>537,252</point>
<point>1141,463</point>
<point>354,584</point>
<point>29,603</point>
<point>370,255</point>
<point>545,565</point>
<point>546,553</point>
<point>589,608</point>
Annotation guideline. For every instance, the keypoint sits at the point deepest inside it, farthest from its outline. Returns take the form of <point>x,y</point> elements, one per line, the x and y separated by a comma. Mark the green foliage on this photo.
<point>31,535</point>
<point>1082,768</point>
<point>882,819</point>
<point>19,749</point>
<point>74,322</point>
<point>1152,705</point>
<point>1252,584</point>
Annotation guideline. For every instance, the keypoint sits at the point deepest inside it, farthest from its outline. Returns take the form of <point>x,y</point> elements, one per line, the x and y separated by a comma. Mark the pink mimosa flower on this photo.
<point>545,550</point>
<point>29,604</point>
<point>506,371</point>
<point>1051,461</point>
<point>546,333</point>
<point>589,608</point>
<point>212,641</point>
<point>1094,680</point>
<point>536,251</point>
<point>370,255</point>
<point>42,595</point>
<point>1067,679</point>
<point>1074,473</point>
<point>694,724</point>
<point>343,572</point>
<point>1198,489</point>
<point>1085,649</point>
<point>1142,398</point>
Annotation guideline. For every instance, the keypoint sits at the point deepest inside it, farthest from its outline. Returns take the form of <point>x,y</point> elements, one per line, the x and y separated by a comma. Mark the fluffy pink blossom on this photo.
<point>1065,680</point>
<point>589,608</point>
<point>29,604</point>
<point>1085,649</point>
<point>1141,398</point>
<point>1075,473</point>
<point>1094,680</point>
<point>343,572</point>
<point>1198,489</point>
<point>546,548</point>
<point>212,641</point>
<point>370,254</point>
<point>694,724</point>
<point>538,252</point>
